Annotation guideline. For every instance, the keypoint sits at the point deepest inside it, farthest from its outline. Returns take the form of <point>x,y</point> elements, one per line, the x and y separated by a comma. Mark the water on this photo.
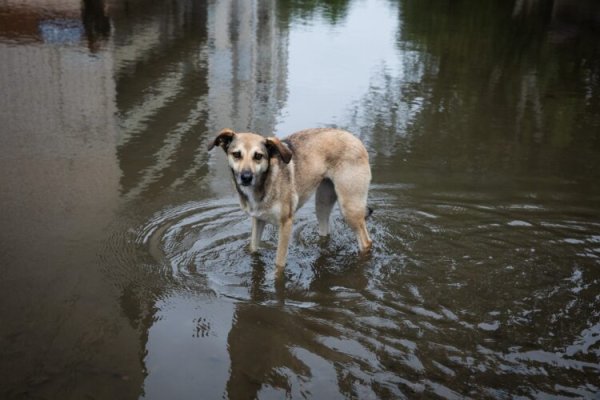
<point>124,255</point>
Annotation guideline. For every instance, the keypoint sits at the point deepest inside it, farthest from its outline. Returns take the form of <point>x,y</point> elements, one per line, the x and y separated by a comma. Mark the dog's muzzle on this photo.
<point>246,178</point>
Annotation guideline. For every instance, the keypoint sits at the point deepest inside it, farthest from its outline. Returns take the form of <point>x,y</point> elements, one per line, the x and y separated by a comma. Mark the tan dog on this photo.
<point>275,178</point>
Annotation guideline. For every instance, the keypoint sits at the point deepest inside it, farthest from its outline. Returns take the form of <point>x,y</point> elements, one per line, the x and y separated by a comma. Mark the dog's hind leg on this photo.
<point>352,192</point>
<point>325,198</point>
<point>257,229</point>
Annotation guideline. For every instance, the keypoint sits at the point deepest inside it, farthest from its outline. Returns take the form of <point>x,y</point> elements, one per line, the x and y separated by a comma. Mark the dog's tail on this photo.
<point>369,212</point>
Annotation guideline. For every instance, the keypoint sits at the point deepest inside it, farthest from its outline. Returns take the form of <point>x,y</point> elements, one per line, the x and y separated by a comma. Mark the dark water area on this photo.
<point>124,259</point>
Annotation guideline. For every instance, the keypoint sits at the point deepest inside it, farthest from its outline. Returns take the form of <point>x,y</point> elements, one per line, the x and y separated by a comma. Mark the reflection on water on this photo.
<point>518,100</point>
<point>124,255</point>
<point>62,333</point>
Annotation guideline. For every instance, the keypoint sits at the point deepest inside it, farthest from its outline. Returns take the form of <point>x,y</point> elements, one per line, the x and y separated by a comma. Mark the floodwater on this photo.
<point>125,270</point>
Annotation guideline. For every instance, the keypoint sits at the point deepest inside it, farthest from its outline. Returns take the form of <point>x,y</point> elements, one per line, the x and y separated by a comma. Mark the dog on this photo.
<point>274,178</point>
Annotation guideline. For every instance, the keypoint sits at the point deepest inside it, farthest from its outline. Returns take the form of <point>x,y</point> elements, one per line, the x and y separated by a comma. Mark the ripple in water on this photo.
<point>207,243</point>
<point>458,298</point>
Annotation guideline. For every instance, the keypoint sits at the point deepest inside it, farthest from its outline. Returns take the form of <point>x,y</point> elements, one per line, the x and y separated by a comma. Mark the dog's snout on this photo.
<point>246,178</point>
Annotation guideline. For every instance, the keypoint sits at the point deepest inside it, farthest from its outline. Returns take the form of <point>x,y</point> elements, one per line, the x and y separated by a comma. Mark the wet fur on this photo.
<point>331,162</point>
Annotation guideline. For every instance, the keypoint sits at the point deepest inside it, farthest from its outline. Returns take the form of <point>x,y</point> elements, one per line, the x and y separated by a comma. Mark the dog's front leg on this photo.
<point>258,226</point>
<point>285,231</point>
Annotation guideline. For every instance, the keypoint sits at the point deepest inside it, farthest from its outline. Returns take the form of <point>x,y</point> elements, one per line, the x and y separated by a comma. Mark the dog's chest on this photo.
<point>254,207</point>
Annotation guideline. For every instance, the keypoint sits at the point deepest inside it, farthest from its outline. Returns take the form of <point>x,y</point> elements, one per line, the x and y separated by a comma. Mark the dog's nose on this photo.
<point>246,178</point>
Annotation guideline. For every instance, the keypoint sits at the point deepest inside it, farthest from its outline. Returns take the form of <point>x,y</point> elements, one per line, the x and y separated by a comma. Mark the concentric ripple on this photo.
<point>207,243</point>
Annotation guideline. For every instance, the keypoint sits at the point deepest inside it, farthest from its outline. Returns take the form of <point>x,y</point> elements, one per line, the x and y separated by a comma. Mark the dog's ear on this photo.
<point>223,139</point>
<point>275,147</point>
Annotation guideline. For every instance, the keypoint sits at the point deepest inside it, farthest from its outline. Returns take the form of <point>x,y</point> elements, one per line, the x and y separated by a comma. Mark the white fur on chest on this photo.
<point>251,203</point>
<point>255,209</point>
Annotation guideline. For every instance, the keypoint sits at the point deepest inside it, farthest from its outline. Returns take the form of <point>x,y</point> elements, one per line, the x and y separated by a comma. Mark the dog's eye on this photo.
<point>237,155</point>
<point>258,156</point>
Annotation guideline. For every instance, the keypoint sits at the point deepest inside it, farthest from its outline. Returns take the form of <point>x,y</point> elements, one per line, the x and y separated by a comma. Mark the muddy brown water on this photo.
<point>125,270</point>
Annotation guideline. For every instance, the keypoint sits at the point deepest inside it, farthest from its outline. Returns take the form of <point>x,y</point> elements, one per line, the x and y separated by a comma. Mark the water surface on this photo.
<point>124,255</point>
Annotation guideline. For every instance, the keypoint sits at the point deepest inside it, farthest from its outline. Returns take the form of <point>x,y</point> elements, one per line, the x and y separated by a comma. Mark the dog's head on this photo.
<point>249,155</point>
